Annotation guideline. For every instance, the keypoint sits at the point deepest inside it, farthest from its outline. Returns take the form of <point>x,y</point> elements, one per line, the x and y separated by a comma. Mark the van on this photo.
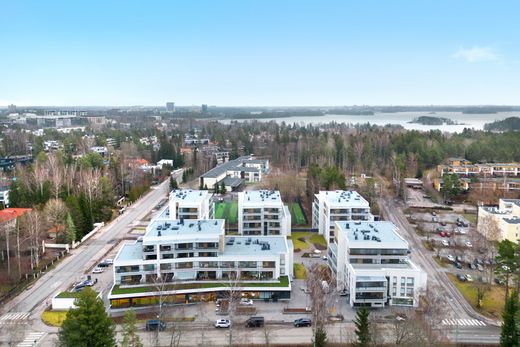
<point>255,322</point>
<point>155,324</point>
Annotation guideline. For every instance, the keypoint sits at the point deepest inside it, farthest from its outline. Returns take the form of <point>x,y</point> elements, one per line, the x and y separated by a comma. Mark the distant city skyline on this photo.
<point>259,53</point>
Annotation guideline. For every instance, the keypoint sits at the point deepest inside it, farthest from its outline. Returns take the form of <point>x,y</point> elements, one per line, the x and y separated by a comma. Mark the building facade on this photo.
<point>339,205</point>
<point>234,172</point>
<point>262,213</point>
<point>189,204</point>
<point>193,260</point>
<point>502,222</point>
<point>371,263</point>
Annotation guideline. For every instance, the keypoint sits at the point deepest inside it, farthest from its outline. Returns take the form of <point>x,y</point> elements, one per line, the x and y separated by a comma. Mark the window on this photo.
<point>409,281</point>
<point>409,291</point>
<point>402,291</point>
<point>403,280</point>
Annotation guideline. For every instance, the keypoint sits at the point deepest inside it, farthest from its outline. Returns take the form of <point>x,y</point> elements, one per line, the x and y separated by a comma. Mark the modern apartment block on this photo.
<point>464,167</point>
<point>193,260</point>
<point>262,213</point>
<point>372,264</point>
<point>189,204</point>
<point>506,220</point>
<point>339,205</point>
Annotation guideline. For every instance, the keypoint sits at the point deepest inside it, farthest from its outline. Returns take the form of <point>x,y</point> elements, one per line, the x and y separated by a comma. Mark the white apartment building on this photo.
<point>339,205</point>
<point>262,213</point>
<point>372,264</point>
<point>189,204</point>
<point>506,217</point>
<point>195,261</point>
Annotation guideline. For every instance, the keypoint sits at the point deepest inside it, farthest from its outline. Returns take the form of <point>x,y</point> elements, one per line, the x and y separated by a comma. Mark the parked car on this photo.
<point>442,234</point>
<point>458,265</point>
<point>468,244</point>
<point>324,257</point>
<point>109,261</point>
<point>472,266</point>
<point>317,251</point>
<point>461,278</point>
<point>103,264</point>
<point>222,323</point>
<point>499,281</point>
<point>255,322</point>
<point>434,213</point>
<point>155,324</point>
<point>302,322</point>
<point>458,258</point>
<point>480,268</point>
<point>445,243</point>
<point>450,257</point>
<point>443,223</point>
<point>469,278</point>
<point>97,270</point>
<point>343,293</point>
<point>246,302</point>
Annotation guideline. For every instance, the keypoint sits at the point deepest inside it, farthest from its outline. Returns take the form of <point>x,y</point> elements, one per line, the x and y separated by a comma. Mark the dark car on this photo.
<point>255,322</point>
<point>155,324</point>
<point>302,322</point>
<point>104,264</point>
<point>443,223</point>
<point>458,265</point>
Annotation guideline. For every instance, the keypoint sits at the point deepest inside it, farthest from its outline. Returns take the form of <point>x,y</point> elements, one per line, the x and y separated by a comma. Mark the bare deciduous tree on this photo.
<point>31,222</point>
<point>56,174</point>
<point>55,212</point>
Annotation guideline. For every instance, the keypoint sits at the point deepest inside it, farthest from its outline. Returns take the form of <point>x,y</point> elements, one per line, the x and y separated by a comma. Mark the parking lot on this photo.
<point>455,243</point>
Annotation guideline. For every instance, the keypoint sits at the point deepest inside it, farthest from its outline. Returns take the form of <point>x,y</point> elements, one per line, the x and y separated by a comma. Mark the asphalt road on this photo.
<point>86,255</point>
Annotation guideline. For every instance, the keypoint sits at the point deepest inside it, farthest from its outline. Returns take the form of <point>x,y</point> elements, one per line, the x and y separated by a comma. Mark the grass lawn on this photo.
<point>471,218</point>
<point>68,295</point>
<point>54,318</point>
<point>493,302</point>
<point>319,242</point>
<point>297,242</point>
<point>300,273</point>
<point>297,216</point>
<point>284,282</point>
<point>227,211</point>
<point>441,262</point>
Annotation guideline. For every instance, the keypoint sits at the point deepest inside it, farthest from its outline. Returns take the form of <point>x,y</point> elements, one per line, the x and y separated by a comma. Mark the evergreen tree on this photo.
<point>173,183</point>
<point>362,324</point>
<point>222,187</point>
<point>130,336</point>
<point>88,325</point>
<point>320,337</point>
<point>509,333</point>
<point>76,214</point>
<point>71,229</point>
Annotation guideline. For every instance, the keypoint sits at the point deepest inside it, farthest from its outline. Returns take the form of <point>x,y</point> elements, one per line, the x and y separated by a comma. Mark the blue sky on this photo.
<point>259,52</point>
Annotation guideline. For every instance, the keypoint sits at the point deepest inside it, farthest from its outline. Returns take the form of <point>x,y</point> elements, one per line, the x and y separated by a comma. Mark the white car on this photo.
<point>317,251</point>
<point>450,257</point>
<point>97,270</point>
<point>246,302</point>
<point>469,278</point>
<point>445,243</point>
<point>222,323</point>
<point>109,261</point>
<point>468,244</point>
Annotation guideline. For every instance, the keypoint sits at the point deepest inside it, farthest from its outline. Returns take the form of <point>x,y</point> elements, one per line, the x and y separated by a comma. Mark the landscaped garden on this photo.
<point>227,211</point>
<point>297,216</point>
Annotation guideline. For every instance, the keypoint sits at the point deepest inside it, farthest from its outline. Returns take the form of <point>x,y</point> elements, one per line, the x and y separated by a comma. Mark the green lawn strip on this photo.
<point>297,240</point>
<point>441,262</point>
<point>471,218</point>
<point>300,273</point>
<point>493,302</point>
<point>68,295</point>
<point>233,213</point>
<point>297,214</point>
<point>219,210</point>
<point>284,282</point>
<point>319,242</point>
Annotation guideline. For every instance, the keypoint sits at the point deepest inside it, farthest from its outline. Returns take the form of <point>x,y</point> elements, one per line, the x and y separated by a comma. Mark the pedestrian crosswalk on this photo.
<point>32,339</point>
<point>14,317</point>
<point>464,322</point>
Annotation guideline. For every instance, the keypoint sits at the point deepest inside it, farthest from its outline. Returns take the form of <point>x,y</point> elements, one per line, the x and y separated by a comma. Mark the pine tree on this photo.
<point>222,187</point>
<point>173,183</point>
<point>320,337</point>
<point>362,332</point>
<point>509,334</point>
<point>71,229</point>
<point>130,336</point>
<point>88,325</point>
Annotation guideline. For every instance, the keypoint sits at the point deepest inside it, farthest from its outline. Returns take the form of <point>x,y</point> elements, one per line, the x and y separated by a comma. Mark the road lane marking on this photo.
<point>463,322</point>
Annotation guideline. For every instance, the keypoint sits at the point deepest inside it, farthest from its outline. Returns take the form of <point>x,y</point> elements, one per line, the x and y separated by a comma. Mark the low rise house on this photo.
<point>502,222</point>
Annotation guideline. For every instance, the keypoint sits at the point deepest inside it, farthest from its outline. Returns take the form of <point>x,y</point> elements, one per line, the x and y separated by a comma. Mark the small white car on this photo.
<point>468,244</point>
<point>246,302</point>
<point>222,323</point>
<point>97,270</point>
<point>450,257</point>
<point>324,257</point>
<point>317,251</point>
<point>109,261</point>
<point>469,278</point>
<point>445,243</point>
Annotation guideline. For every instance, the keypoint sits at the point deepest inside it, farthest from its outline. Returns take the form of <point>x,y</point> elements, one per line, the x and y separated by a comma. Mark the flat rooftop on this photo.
<point>254,246</point>
<point>189,195</point>
<point>259,197</point>
<point>382,267</point>
<point>343,198</point>
<point>130,251</point>
<point>195,227</point>
<point>377,234</point>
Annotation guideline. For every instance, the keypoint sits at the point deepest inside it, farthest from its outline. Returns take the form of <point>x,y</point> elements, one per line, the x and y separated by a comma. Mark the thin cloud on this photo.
<point>476,54</point>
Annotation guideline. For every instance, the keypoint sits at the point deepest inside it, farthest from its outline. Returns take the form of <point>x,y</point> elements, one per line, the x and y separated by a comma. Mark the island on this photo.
<point>429,120</point>
<point>508,124</point>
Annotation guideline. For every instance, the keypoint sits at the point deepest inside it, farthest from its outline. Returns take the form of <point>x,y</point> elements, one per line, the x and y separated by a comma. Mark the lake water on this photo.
<point>475,121</point>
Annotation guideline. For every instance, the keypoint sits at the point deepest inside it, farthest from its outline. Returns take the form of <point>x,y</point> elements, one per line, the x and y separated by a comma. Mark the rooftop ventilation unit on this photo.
<point>158,233</point>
